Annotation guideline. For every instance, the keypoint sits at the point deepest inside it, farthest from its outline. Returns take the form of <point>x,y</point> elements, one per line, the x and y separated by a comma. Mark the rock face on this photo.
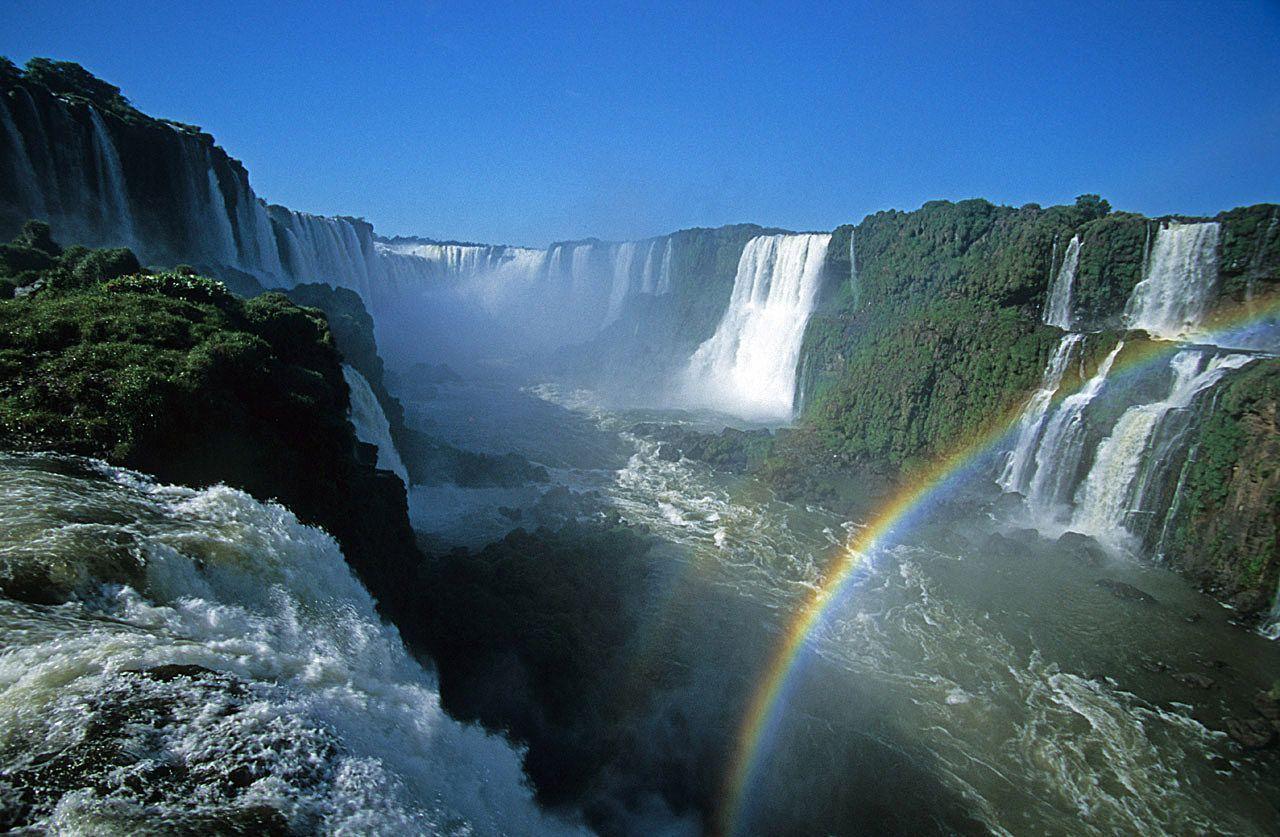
<point>1128,592</point>
<point>1229,513</point>
<point>732,450</point>
<point>172,375</point>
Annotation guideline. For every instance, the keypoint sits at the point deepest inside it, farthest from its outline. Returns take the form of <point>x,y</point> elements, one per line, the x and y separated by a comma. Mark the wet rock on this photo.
<point>1155,666</point>
<point>1083,548</point>
<point>1267,705</point>
<point>1192,618</point>
<point>668,453</point>
<point>1128,592</point>
<point>1195,681</point>
<point>511,513</point>
<point>1221,764</point>
<point>166,673</point>
<point>998,544</point>
<point>1251,733</point>
<point>1008,504</point>
<point>1025,535</point>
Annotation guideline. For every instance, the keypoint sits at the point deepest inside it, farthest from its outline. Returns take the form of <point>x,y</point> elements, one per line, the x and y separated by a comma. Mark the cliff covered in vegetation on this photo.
<point>171,374</point>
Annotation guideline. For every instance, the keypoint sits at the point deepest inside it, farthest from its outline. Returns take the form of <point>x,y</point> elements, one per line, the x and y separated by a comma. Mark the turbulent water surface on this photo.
<point>197,661</point>
<point>1019,673</point>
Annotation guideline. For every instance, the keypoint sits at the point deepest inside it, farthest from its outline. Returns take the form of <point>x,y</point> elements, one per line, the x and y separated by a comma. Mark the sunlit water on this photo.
<point>1043,700</point>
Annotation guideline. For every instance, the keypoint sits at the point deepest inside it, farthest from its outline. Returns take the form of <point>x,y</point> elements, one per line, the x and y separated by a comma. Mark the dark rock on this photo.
<point>510,513</point>
<point>1221,764</point>
<point>1251,733</point>
<point>1008,504</point>
<point>166,673</point>
<point>1024,535</point>
<point>1195,681</point>
<point>1155,666</point>
<point>1083,548</point>
<point>1267,705</point>
<point>1128,592</point>
<point>997,544</point>
<point>1192,618</point>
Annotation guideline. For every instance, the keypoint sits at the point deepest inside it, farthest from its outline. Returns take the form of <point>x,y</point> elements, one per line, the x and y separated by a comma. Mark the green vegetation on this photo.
<point>936,336</point>
<point>171,374</point>
<point>1225,532</point>
<point>1250,260</point>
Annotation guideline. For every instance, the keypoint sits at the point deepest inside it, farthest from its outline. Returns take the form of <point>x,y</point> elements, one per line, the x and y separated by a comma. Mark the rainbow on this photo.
<point>913,500</point>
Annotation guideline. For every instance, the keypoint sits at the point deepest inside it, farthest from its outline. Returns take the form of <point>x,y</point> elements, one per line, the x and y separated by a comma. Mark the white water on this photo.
<point>111,180</point>
<point>1058,454</point>
<point>371,423</point>
<point>941,634</point>
<point>748,366</point>
<point>1172,298</point>
<point>1058,311</point>
<point>1109,492</point>
<point>317,711</point>
<point>1017,470</point>
<point>31,200</point>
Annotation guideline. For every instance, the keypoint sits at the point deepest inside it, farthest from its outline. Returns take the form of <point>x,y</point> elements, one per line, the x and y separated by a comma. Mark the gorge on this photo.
<point>975,505</point>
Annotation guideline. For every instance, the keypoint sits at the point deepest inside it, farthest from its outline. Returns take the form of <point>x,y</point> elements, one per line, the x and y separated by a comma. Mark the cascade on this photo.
<point>623,261</point>
<point>1058,309</point>
<point>1018,466</point>
<point>228,640</point>
<point>663,285</point>
<point>111,187</point>
<point>1174,294</point>
<point>371,423</point>
<point>31,201</point>
<point>748,366</point>
<point>1057,458</point>
<point>1124,464</point>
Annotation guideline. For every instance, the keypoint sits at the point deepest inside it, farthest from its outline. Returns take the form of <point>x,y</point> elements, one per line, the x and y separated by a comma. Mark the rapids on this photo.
<point>200,661</point>
<point>985,652</point>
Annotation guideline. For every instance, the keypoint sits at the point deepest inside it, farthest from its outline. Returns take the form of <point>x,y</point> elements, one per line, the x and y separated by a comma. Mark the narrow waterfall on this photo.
<point>1174,294</point>
<point>1018,467</point>
<point>1058,456</point>
<point>30,201</point>
<point>371,424</point>
<point>1124,463</point>
<point>663,285</point>
<point>1271,630</point>
<point>620,288</point>
<point>111,187</point>
<point>1058,310</point>
<point>748,366</point>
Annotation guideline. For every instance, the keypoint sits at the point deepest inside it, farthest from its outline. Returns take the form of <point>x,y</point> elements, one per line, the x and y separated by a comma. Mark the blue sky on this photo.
<point>533,122</point>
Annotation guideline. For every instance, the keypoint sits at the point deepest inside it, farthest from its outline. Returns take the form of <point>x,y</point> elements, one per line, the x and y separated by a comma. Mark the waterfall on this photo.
<point>1018,466</point>
<point>620,289</point>
<point>1271,628</point>
<point>371,424</point>
<point>748,366</point>
<point>1058,310</point>
<point>226,668</point>
<point>111,186</point>
<point>1175,292</point>
<point>663,285</point>
<point>1058,456</point>
<point>1124,463</point>
<point>31,201</point>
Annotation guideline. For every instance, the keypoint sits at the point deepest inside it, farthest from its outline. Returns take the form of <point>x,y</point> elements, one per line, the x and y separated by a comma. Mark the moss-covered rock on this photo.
<point>1228,518</point>
<point>173,375</point>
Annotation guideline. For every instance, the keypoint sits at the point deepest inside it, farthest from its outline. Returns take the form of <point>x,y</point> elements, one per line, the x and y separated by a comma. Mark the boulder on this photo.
<point>1128,592</point>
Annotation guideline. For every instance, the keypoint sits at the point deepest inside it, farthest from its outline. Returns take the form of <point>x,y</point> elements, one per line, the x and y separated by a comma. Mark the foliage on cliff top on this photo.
<point>169,372</point>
